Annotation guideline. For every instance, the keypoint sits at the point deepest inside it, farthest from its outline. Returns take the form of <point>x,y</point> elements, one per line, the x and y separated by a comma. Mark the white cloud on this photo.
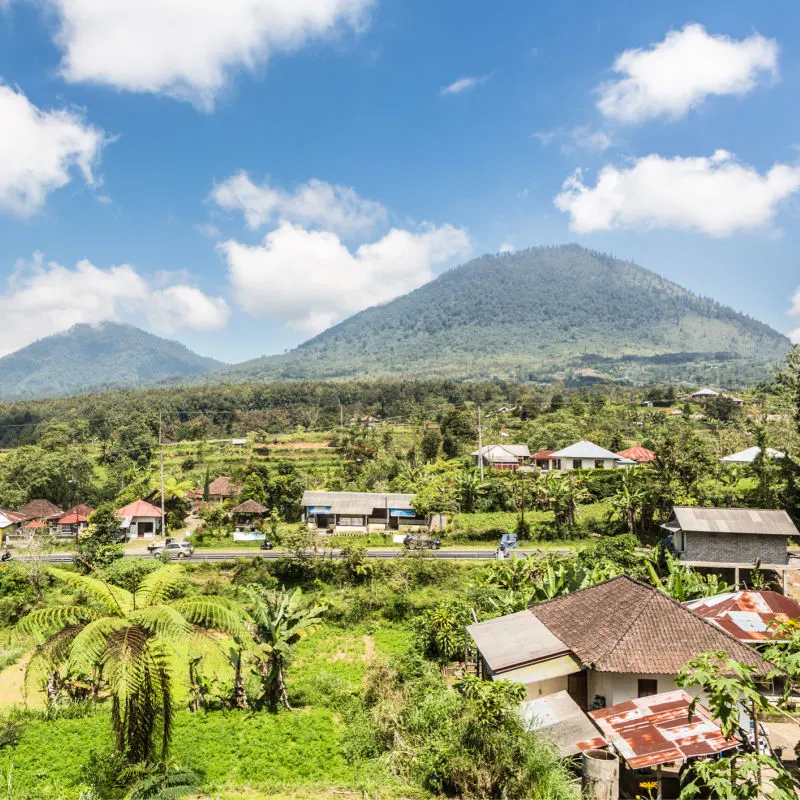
<point>676,75</point>
<point>208,230</point>
<point>45,299</point>
<point>316,203</point>
<point>310,280</point>
<point>40,150</point>
<point>507,247</point>
<point>581,137</point>
<point>465,84</point>
<point>188,49</point>
<point>715,195</point>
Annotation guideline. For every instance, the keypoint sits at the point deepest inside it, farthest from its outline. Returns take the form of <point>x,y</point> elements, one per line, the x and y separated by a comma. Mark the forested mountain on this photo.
<point>536,314</point>
<point>90,357</point>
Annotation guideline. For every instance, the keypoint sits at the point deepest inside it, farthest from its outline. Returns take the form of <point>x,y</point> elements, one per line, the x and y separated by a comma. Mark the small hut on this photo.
<point>247,514</point>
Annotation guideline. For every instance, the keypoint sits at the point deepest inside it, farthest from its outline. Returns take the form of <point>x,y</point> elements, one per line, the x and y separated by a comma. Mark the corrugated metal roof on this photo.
<point>751,454</point>
<point>515,640</point>
<point>560,719</point>
<point>774,522</point>
<point>543,454</point>
<point>138,508</point>
<point>585,449</point>
<point>508,452</point>
<point>747,615</point>
<point>356,502</point>
<point>656,730</point>
<point>641,455</point>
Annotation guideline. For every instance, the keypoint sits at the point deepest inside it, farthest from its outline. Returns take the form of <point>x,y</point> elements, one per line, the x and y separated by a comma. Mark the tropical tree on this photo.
<point>469,488</point>
<point>562,492</point>
<point>440,631</point>
<point>99,545</point>
<point>628,502</point>
<point>127,642</point>
<point>280,620</point>
<point>683,583</point>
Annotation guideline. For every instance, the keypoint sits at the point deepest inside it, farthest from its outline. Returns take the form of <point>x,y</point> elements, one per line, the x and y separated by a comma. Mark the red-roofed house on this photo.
<point>545,461</point>
<point>140,519</point>
<point>641,455</point>
<point>75,519</point>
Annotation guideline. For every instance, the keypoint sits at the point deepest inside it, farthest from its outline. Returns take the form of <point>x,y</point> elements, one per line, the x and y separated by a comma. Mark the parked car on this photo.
<point>160,545</point>
<point>421,542</point>
<point>172,549</point>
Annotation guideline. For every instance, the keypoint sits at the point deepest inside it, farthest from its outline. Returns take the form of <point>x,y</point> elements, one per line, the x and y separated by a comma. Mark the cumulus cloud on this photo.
<point>676,75</point>
<point>43,299</point>
<point>40,151</point>
<point>715,195</point>
<point>581,137</point>
<point>187,49</point>
<point>464,84</point>
<point>316,203</point>
<point>310,280</point>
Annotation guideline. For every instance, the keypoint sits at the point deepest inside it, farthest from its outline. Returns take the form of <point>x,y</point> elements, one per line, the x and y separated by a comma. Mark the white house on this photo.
<point>751,454</point>
<point>502,456</point>
<point>587,455</point>
<point>140,520</point>
<point>704,394</point>
<point>611,643</point>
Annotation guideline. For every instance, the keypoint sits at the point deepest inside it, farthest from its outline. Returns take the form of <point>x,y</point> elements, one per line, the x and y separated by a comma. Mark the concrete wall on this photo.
<point>619,687</point>
<point>741,548</point>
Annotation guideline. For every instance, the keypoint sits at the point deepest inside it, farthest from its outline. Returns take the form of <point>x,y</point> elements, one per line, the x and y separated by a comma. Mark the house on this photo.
<point>751,454</point>
<point>587,455</point>
<point>640,455</point>
<point>239,442</point>
<point>544,460</point>
<point>750,616</point>
<point>704,395</point>
<point>247,514</point>
<point>502,456</point>
<point>10,523</point>
<point>731,537</point>
<point>222,488</point>
<point>360,511</point>
<point>74,520</point>
<point>140,520</point>
<point>41,510</point>
<point>613,642</point>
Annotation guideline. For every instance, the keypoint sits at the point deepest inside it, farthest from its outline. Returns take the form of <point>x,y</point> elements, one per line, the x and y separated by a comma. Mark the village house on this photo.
<point>140,520</point>
<point>41,511</point>
<point>639,455</point>
<point>610,643</point>
<point>247,515</point>
<point>703,395</point>
<point>751,454</point>
<point>74,520</point>
<point>544,460</point>
<point>502,456</point>
<point>10,523</point>
<point>731,538</point>
<point>587,455</point>
<point>360,511</point>
<point>222,488</point>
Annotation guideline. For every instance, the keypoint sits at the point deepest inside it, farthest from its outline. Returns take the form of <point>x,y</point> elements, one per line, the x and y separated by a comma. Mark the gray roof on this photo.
<point>559,718</point>
<point>514,641</point>
<point>585,450</point>
<point>751,454</point>
<point>356,502</point>
<point>773,522</point>
<point>706,392</point>
<point>503,452</point>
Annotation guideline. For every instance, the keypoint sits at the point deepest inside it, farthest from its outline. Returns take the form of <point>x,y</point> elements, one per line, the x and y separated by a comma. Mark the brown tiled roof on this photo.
<point>249,507</point>
<point>626,626</point>
<point>223,487</point>
<point>40,509</point>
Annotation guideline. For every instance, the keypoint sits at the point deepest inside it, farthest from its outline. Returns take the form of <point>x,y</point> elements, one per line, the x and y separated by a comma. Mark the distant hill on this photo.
<point>90,357</point>
<point>543,313</point>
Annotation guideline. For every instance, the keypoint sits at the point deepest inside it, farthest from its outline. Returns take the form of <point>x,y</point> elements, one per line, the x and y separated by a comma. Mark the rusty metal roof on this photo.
<point>656,730</point>
<point>747,615</point>
<point>558,718</point>
<point>775,522</point>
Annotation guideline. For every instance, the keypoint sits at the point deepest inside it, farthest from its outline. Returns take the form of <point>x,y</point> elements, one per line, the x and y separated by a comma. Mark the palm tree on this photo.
<point>562,492</point>
<point>126,642</point>
<point>280,620</point>
<point>629,500</point>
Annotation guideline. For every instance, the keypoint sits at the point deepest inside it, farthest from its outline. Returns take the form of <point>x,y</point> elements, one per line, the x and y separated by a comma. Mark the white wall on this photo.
<point>543,688</point>
<point>133,531</point>
<point>588,463</point>
<point>620,687</point>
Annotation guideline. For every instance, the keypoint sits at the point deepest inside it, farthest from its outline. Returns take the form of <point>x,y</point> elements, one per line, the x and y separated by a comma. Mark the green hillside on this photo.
<point>91,357</point>
<point>539,313</point>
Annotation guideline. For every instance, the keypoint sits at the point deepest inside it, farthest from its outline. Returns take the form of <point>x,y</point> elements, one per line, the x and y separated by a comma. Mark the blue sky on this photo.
<point>240,175</point>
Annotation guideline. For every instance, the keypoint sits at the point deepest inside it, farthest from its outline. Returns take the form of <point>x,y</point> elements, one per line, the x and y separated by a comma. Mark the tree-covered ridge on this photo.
<point>91,357</point>
<point>532,314</point>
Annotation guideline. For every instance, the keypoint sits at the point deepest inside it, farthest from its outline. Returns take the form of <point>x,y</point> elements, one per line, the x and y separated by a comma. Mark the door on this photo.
<point>578,688</point>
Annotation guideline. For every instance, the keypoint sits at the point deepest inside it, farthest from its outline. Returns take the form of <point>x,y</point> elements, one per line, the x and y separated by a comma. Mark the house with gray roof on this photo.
<point>360,511</point>
<point>588,455</point>
<point>749,455</point>
<point>502,456</point>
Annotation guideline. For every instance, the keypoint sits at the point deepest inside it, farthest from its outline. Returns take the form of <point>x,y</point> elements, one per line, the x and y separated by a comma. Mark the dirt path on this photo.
<point>369,648</point>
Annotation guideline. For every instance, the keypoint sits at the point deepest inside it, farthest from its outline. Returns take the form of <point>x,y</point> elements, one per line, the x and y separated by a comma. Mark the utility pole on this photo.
<point>480,443</point>
<point>161,451</point>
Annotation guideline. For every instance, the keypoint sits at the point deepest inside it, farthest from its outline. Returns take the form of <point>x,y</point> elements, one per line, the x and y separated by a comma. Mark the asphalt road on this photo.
<point>232,555</point>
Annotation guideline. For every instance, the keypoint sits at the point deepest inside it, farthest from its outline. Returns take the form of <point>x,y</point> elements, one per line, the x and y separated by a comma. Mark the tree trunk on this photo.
<point>53,688</point>
<point>239,694</point>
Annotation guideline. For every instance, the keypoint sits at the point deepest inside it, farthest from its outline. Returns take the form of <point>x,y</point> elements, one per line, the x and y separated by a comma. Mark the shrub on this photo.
<point>130,572</point>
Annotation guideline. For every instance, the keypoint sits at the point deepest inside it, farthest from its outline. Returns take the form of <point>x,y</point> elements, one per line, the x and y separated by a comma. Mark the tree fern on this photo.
<point>115,601</point>
<point>160,586</point>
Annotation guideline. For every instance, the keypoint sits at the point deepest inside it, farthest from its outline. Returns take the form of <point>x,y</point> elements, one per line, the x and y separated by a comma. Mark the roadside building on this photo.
<point>140,520</point>
<point>360,511</point>
<point>502,456</point>
<point>545,460</point>
<point>222,488</point>
<point>247,515</point>
<point>74,520</point>
<point>749,455</point>
<point>587,455</point>
<point>731,538</point>
<point>10,524</point>
<point>42,511</point>
<point>614,642</point>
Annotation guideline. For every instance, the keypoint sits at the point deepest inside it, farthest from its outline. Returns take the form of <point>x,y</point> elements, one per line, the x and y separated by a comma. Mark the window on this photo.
<point>599,463</point>
<point>647,687</point>
<point>145,527</point>
<point>577,463</point>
